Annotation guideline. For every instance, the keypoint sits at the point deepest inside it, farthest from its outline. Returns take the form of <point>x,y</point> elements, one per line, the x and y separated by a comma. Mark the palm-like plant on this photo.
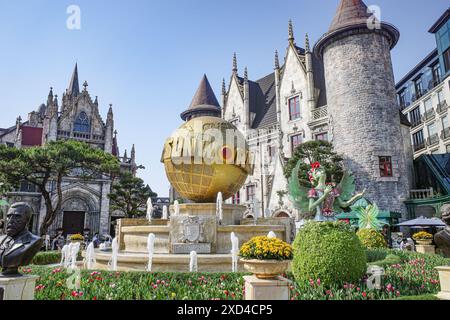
<point>368,217</point>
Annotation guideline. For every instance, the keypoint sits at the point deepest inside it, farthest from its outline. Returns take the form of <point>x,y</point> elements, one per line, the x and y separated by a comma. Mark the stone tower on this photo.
<point>362,104</point>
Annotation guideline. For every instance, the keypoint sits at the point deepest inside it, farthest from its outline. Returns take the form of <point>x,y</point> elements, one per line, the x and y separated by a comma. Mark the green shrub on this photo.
<point>47,257</point>
<point>390,260</point>
<point>329,251</point>
<point>371,239</point>
<point>376,254</point>
<point>418,298</point>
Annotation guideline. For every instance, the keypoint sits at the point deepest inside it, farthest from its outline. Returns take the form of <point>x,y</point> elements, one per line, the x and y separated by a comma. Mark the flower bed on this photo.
<point>413,276</point>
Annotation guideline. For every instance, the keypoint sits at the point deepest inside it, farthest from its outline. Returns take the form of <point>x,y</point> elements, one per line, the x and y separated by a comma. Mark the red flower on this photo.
<point>94,298</point>
<point>364,294</point>
<point>226,293</point>
<point>315,165</point>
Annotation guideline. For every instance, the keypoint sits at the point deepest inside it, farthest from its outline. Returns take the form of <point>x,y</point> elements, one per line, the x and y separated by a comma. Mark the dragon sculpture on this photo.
<point>325,200</point>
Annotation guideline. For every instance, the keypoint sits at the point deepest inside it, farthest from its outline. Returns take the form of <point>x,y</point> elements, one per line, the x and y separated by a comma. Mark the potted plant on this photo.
<point>423,238</point>
<point>266,257</point>
<point>76,238</point>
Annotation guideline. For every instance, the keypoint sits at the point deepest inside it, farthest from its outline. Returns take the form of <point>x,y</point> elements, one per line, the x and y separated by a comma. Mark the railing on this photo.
<point>420,146</point>
<point>442,107</point>
<point>85,136</point>
<point>319,113</point>
<point>429,114</point>
<point>433,140</point>
<point>421,194</point>
<point>445,134</point>
<point>416,123</point>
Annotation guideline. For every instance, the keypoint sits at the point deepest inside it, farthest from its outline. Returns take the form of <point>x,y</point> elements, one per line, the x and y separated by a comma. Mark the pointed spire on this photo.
<point>350,12</point>
<point>224,88</point>
<point>291,32</point>
<point>125,155</point>
<point>50,97</point>
<point>96,100</point>
<point>235,66</point>
<point>245,74</point>
<point>307,47</point>
<point>115,134</point>
<point>74,86</point>
<point>277,60</point>
<point>55,102</point>
<point>133,153</point>
<point>85,85</point>
<point>204,102</point>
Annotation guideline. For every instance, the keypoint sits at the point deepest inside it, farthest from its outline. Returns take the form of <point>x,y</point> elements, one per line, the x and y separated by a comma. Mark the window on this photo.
<point>296,141</point>
<point>271,151</point>
<point>236,199</point>
<point>447,60</point>
<point>436,74</point>
<point>250,189</point>
<point>444,122</point>
<point>27,187</point>
<point>432,130</point>
<point>419,87</point>
<point>294,108</point>
<point>385,167</point>
<point>415,117</point>
<point>428,105</point>
<point>418,140</point>
<point>322,136</point>
<point>402,98</point>
<point>82,123</point>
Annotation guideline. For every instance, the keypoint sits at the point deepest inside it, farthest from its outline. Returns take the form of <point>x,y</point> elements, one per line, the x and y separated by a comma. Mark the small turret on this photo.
<point>235,66</point>
<point>291,32</point>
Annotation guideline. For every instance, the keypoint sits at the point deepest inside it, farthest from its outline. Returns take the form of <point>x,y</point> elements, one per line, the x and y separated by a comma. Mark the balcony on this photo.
<point>416,123</point>
<point>442,107</point>
<point>445,134</point>
<point>429,115</point>
<point>319,117</point>
<point>433,140</point>
<point>419,147</point>
<point>421,194</point>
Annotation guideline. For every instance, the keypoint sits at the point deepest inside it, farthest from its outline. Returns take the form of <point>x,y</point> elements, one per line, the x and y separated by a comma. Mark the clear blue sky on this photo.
<point>147,57</point>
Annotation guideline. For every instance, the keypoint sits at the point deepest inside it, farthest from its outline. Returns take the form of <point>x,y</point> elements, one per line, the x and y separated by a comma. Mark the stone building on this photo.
<point>85,204</point>
<point>342,91</point>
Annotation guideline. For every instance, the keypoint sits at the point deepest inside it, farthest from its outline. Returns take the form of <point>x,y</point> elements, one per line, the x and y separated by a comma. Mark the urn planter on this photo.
<point>444,277</point>
<point>266,269</point>
<point>424,242</point>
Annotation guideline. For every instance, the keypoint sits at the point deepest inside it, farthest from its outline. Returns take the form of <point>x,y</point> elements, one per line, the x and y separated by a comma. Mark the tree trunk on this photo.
<point>51,212</point>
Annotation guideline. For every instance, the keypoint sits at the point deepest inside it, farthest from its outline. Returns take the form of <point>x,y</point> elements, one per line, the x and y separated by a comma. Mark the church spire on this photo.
<point>291,32</point>
<point>235,66</point>
<point>246,74</point>
<point>224,88</point>
<point>307,47</point>
<point>50,97</point>
<point>74,86</point>
<point>277,60</point>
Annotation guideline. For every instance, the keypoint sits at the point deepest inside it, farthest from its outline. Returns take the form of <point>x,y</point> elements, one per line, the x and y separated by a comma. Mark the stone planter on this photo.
<point>444,277</point>
<point>266,269</point>
<point>424,242</point>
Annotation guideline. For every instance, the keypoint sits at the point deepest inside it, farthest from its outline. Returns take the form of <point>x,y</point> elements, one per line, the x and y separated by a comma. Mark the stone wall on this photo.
<point>365,118</point>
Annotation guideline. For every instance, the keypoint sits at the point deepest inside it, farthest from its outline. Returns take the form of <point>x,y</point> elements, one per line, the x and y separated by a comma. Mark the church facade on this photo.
<point>323,93</point>
<point>85,204</point>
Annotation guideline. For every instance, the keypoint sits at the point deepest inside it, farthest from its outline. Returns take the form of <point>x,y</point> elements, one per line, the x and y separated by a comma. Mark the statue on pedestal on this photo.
<point>325,200</point>
<point>18,246</point>
<point>442,239</point>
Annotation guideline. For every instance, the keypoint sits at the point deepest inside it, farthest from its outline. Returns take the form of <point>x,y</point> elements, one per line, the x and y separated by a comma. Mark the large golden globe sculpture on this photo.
<point>205,156</point>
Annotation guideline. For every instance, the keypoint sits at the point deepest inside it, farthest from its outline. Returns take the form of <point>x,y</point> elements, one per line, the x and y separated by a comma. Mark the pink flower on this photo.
<point>364,294</point>
<point>319,282</point>
<point>398,293</point>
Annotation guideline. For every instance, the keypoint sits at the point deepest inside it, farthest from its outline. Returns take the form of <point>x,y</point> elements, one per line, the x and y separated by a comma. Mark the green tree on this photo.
<point>130,195</point>
<point>47,166</point>
<point>316,151</point>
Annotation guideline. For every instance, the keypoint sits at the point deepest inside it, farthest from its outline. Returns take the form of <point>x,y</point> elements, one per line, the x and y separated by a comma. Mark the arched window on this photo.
<point>82,123</point>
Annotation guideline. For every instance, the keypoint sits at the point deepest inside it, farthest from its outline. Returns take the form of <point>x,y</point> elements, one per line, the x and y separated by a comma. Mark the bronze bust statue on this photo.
<point>18,246</point>
<point>442,239</point>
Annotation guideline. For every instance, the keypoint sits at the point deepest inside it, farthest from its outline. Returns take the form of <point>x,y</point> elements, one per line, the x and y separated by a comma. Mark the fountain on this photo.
<point>74,250</point>
<point>207,179</point>
<point>219,207</point>
<point>89,261</point>
<point>65,256</point>
<point>271,235</point>
<point>114,256</point>
<point>149,209</point>
<point>234,252</point>
<point>151,250</point>
<point>165,214</point>
<point>193,263</point>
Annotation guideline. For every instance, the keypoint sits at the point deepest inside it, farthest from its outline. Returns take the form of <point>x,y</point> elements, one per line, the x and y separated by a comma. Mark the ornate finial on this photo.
<point>307,48</point>
<point>245,74</point>
<point>235,66</point>
<point>96,100</point>
<point>19,120</point>
<point>224,89</point>
<point>85,85</point>
<point>277,60</point>
<point>56,100</point>
<point>291,31</point>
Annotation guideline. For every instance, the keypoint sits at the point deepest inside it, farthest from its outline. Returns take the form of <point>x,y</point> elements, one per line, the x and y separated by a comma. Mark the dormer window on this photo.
<point>294,108</point>
<point>82,123</point>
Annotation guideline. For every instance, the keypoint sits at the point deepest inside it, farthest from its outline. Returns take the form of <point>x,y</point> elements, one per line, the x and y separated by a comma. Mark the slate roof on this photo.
<point>349,12</point>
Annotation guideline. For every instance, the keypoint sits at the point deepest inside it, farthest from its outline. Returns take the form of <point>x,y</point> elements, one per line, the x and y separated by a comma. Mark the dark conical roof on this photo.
<point>204,102</point>
<point>74,86</point>
<point>350,12</point>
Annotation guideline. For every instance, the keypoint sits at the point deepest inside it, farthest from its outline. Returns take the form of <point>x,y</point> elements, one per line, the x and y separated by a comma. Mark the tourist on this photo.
<point>405,245</point>
<point>96,240</point>
<point>386,232</point>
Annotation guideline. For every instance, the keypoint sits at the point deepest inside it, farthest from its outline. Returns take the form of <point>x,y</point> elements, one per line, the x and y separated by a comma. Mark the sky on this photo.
<point>147,57</point>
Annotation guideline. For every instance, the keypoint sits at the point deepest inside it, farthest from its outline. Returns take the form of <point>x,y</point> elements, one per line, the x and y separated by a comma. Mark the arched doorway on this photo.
<point>281,214</point>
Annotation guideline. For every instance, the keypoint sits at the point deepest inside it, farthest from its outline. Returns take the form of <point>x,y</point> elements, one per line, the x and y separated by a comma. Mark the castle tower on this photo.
<point>362,104</point>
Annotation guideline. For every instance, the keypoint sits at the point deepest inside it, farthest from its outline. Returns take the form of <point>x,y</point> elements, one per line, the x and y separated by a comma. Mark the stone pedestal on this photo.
<point>426,249</point>
<point>19,288</point>
<point>259,289</point>
<point>444,277</point>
